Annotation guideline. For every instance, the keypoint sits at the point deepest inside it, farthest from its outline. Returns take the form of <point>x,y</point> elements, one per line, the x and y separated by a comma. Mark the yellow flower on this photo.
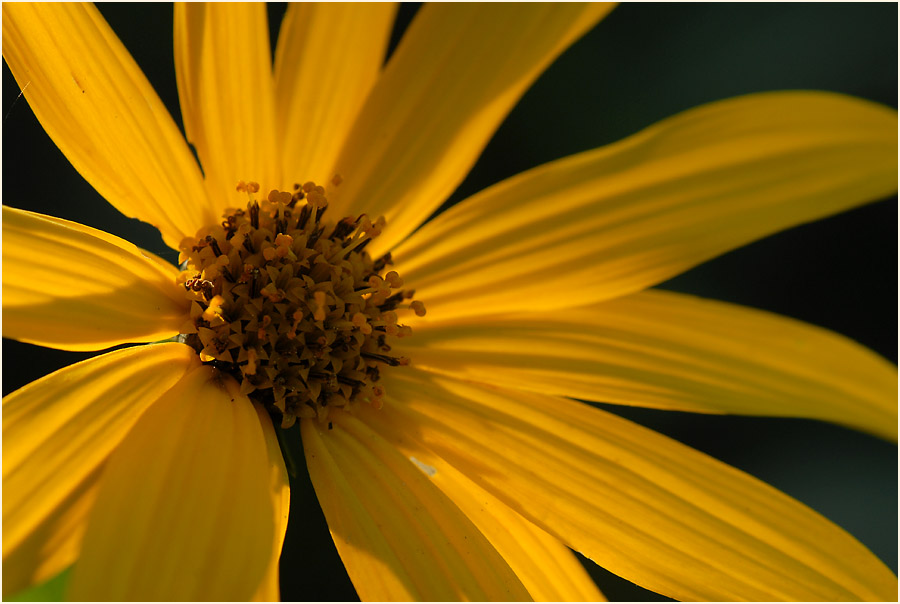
<point>156,469</point>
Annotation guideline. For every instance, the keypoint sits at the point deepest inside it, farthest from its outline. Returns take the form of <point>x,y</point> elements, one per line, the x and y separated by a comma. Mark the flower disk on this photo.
<point>293,308</point>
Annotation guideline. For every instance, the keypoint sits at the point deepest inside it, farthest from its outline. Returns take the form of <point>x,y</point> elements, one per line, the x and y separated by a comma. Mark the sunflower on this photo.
<point>443,439</point>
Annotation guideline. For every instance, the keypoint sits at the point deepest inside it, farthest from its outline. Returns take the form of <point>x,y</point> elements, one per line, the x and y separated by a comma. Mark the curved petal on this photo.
<point>670,351</point>
<point>616,220</point>
<point>269,590</point>
<point>57,434</point>
<point>97,106</point>
<point>183,510</point>
<point>641,505</point>
<point>400,538</point>
<point>52,546</point>
<point>69,286</point>
<point>457,72</point>
<point>328,58</point>
<point>547,569</point>
<point>223,66</point>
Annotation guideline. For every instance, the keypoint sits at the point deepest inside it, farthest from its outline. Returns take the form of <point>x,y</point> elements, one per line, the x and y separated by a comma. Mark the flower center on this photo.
<point>292,306</point>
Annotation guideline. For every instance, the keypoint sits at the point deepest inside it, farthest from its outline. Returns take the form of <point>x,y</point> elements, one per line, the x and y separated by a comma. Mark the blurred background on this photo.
<point>643,63</point>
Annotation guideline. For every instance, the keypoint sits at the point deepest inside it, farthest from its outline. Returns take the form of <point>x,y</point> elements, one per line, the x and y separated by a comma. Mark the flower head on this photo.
<point>432,368</point>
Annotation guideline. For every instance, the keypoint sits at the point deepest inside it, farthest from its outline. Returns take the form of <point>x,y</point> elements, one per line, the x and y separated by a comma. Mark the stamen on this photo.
<point>291,307</point>
<point>214,245</point>
<point>254,215</point>
<point>392,361</point>
<point>379,264</point>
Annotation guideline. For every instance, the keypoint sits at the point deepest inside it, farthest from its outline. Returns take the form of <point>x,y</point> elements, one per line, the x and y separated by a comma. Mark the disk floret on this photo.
<point>292,307</point>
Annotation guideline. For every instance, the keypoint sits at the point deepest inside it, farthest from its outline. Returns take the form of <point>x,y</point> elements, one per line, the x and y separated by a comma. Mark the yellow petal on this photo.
<point>618,219</point>
<point>57,433</point>
<point>641,505</point>
<point>183,510</point>
<point>53,545</point>
<point>547,569</point>
<point>457,72</point>
<point>269,590</point>
<point>400,538</point>
<point>97,106</point>
<point>671,351</point>
<point>223,66</point>
<point>328,57</point>
<point>69,286</point>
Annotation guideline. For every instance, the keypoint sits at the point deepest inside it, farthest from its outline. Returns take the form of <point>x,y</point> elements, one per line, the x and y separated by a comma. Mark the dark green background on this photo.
<point>643,63</point>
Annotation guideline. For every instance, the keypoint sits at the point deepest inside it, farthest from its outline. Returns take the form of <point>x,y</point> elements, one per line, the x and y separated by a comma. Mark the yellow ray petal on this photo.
<point>621,218</point>
<point>184,510</point>
<point>547,569</point>
<point>457,72</point>
<point>671,351</point>
<point>400,538</point>
<point>269,590</point>
<point>223,66</point>
<point>53,545</point>
<point>97,106</point>
<point>57,433</point>
<point>69,286</point>
<point>327,60</point>
<point>643,506</point>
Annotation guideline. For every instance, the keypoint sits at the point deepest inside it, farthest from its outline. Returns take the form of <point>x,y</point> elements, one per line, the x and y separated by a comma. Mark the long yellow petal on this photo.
<point>641,505</point>
<point>223,66</point>
<point>400,538</point>
<point>184,510</point>
<point>269,590</point>
<point>547,569</point>
<point>328,58</point>
<point>615,220</point>
<point>69,286</point>
<point>57,432</point>
<point>53,545</point>
<point>97,106</point>
<point>671,351</point>
<point>457,72</point>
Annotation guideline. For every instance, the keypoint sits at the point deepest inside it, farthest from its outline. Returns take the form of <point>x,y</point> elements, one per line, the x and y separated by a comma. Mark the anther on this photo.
<point>305,213</point>
<point>379,264</point>
<point>392,302</point>
<point>343,228</point>
<point>214,245</point>
<point>254,214</point>
<point>392,361</point>
<point>254,282</point>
